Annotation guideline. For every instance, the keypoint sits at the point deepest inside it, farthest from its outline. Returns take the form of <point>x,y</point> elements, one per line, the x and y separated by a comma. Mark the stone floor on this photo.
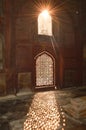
<point>40,111</point>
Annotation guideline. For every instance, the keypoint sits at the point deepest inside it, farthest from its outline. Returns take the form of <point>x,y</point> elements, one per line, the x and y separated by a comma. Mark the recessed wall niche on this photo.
<point>24,80</point>
<point>2,83</point>
<point>1,8</point>
<point>1,53</point>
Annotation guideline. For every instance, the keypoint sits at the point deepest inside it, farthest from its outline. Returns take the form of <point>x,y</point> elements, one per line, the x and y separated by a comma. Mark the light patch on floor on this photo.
<point>45,113</point>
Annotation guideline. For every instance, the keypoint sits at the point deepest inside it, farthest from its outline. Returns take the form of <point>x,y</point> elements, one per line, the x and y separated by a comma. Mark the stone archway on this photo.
<point>45,67</point>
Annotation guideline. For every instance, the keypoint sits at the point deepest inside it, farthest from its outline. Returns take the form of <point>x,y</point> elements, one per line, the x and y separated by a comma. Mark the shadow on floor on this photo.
<point>14,109</point>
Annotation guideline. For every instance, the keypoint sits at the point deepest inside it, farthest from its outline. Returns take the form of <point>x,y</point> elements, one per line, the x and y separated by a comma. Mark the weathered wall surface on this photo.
<point>22,43</point>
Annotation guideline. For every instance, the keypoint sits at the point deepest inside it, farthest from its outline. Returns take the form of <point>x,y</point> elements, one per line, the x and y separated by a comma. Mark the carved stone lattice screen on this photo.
<point>44,70</point>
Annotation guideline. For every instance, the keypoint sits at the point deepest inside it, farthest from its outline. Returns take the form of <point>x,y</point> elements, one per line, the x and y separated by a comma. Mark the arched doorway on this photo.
<point>45,67</point>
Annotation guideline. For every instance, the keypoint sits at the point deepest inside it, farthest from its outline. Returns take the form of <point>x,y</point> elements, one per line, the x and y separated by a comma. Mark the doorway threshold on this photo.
<point>44,88</point>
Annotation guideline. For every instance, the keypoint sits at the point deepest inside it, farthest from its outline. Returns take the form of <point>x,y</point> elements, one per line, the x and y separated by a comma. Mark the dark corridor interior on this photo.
<point>42,60</point>
<point>24,35</point>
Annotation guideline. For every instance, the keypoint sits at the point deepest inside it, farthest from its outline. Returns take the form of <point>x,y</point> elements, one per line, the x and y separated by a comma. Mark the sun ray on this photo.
<point>54,8</point>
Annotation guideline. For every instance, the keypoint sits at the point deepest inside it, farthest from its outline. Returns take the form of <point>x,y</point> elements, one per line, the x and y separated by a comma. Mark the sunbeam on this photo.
<point>54,8</point>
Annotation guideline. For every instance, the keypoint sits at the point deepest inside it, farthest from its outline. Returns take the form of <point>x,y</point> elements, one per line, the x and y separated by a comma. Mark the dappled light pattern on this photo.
<point>45,114</point>
<point>44,70</point>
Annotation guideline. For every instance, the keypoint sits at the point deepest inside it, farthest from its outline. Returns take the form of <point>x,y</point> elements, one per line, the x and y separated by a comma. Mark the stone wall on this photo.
<point>84,65</point>
<point>2,83</point>
<point>24,81</point>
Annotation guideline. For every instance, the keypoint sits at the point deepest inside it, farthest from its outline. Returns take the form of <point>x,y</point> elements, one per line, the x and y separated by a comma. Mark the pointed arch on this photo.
<point>45,67</point>
<point>44,24</point>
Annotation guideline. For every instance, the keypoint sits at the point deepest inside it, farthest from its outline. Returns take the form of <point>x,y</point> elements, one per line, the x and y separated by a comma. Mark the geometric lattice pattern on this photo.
<point>44,70</point>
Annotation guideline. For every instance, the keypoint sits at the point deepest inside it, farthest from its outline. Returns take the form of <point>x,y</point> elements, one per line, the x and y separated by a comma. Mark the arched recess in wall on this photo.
<point>45,70</point>
<point>45,23</point>
<point>1,52</point>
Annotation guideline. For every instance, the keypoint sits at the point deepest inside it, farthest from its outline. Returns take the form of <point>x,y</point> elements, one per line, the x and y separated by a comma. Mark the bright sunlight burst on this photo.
<point>44,23</point>
<point>45,13</point>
